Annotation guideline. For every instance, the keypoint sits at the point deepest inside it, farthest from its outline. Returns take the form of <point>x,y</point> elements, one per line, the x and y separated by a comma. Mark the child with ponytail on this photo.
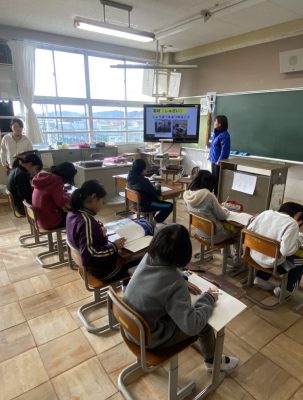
<point>85,233</point>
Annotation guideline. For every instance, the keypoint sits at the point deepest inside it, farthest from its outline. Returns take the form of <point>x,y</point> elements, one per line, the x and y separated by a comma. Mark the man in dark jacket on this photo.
<point>149,194</point>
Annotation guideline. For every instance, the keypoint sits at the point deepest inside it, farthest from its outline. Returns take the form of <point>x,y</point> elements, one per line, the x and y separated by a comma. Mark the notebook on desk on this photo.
<point>241,217</point>
<point>227,307</point>
<point>134,234</point>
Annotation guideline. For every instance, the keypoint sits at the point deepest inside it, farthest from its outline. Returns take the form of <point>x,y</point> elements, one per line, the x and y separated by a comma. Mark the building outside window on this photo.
<point>79,98</point>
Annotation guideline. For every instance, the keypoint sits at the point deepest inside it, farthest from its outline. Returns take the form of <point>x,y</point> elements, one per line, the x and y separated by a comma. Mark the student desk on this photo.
<point>225,310</point>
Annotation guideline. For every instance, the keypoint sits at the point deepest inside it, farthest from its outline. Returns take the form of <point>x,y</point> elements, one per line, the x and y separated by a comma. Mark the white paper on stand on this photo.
<point>244,183</point>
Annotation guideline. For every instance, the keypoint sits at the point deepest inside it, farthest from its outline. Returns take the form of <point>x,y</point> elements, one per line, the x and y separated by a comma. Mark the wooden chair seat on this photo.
<point>270,248</point>
<point>148,360</point>
<point>158,356</point>
<point>54,247</point>
<point>207,246</point>
<point>132,203</point>
<point>93,282</point>
<point>99,288</point>
<point>28,240</point>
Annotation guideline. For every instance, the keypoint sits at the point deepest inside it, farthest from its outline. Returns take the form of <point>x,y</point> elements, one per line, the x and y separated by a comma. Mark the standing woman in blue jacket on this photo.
<point>220,147</point>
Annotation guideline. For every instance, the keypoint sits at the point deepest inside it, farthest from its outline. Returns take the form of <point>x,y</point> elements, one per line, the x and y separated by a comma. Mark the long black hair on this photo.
<point>66,171</point>
<point>87,189</point>
<point>24,158</point>
<point>203,180</point>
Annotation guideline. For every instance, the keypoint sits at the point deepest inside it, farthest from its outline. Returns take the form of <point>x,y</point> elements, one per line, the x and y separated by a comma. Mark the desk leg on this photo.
<point>174,209</point>
<point>217,376</point>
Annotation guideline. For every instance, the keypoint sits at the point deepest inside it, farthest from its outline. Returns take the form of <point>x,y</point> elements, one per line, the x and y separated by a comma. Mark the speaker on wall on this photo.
<point>291,60</point>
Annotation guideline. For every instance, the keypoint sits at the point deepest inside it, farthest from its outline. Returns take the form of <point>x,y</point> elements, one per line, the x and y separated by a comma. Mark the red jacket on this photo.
<point>48,199</point>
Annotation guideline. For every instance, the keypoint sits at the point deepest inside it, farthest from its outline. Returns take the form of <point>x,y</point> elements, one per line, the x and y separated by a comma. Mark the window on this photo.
<point>78,98</point>
<point>45,74</point>
<point>105,82</point>
<point>70,74</point>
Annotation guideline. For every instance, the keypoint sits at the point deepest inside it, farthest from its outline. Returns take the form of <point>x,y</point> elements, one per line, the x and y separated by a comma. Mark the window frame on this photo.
<point>89,102</point>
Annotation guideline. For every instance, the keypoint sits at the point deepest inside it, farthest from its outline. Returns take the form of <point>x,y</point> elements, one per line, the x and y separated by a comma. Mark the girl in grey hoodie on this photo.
<point>160,294</point>
<point>199,200</point>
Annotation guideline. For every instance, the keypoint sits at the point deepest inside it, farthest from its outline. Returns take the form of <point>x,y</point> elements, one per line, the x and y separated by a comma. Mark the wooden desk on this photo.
<point>172,194</point>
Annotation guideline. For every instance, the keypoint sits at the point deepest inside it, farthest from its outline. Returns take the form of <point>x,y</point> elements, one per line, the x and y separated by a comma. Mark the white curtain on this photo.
<point>23,55</point>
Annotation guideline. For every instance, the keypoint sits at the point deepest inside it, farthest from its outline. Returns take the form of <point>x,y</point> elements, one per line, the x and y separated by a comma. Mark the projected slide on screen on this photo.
<point>176,123</point>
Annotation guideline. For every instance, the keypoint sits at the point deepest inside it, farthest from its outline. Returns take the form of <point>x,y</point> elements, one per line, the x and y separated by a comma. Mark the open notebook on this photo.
<point>131,231</point>
<point>240,217</point>
<point>227,307</point>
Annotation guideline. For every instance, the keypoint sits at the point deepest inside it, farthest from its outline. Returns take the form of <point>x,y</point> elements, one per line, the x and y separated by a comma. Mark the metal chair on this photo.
<point>54,248</point>
<point>186,180</point>
<point>269,247</point>
<point>208,246</point>
<point>132,203</point>
<point>23,239</point>
<point>131,323</point>
<point>99,288</point>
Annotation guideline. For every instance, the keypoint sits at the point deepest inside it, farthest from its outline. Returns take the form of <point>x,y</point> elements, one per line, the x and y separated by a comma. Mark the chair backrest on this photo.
<point>12,204</point>
<point>253,241</point>
<point>202,223</point>
<point>120,182</point>
<point>130,321</point>
<point>165,160</point>
<point>97,156</point>
<point>75,254</point>
<point>133,196</point>
<point>31,215</point>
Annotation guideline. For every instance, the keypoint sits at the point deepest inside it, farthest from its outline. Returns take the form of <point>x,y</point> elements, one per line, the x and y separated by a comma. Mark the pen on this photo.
<point>217,292</point>
<point>227,198</point>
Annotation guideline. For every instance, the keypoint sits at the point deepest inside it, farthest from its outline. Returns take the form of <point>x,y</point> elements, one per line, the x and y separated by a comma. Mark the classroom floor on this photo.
<point>45,353</point>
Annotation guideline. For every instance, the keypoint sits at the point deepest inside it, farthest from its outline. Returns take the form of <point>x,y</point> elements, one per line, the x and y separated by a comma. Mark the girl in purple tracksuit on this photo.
<point>88,235</point>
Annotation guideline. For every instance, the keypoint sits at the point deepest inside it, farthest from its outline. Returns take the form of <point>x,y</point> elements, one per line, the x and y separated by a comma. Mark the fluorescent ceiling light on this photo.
<point>106,28</point>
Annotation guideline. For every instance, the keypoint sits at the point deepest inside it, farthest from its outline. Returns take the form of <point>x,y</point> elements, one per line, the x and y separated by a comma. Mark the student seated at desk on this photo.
<point>284,226</point>
<point>160,294</point>
<point>199,200</point>
<point>149,194</point>
<point>85,233</point>
<point>50,200</point>
<point>18,181</point>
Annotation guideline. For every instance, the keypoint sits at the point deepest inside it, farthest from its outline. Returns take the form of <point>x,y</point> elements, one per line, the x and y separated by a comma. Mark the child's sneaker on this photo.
<point>277,291</point>
<point>227,364</point>
<point>263,284</point>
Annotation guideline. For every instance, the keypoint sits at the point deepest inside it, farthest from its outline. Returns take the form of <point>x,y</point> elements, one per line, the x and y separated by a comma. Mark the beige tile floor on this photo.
<point>45,353</point>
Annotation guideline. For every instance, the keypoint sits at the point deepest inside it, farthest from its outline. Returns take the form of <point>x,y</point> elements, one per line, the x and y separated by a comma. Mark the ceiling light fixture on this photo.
<point>106,28</point>
<point>185,24</point>
<point>158,64</point>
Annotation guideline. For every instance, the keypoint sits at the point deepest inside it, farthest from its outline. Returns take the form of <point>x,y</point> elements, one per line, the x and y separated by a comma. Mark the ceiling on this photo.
<point>57,16</point>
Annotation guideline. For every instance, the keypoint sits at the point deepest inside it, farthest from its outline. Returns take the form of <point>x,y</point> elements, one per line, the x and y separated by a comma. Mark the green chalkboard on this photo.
<point>265,124</point>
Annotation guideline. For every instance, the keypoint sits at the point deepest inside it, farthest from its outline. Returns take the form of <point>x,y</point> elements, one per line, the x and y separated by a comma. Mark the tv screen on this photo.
<point>176,123</point>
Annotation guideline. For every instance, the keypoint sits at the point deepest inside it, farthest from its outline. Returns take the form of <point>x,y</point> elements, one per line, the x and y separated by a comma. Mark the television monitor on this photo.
<point>177,123</point>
